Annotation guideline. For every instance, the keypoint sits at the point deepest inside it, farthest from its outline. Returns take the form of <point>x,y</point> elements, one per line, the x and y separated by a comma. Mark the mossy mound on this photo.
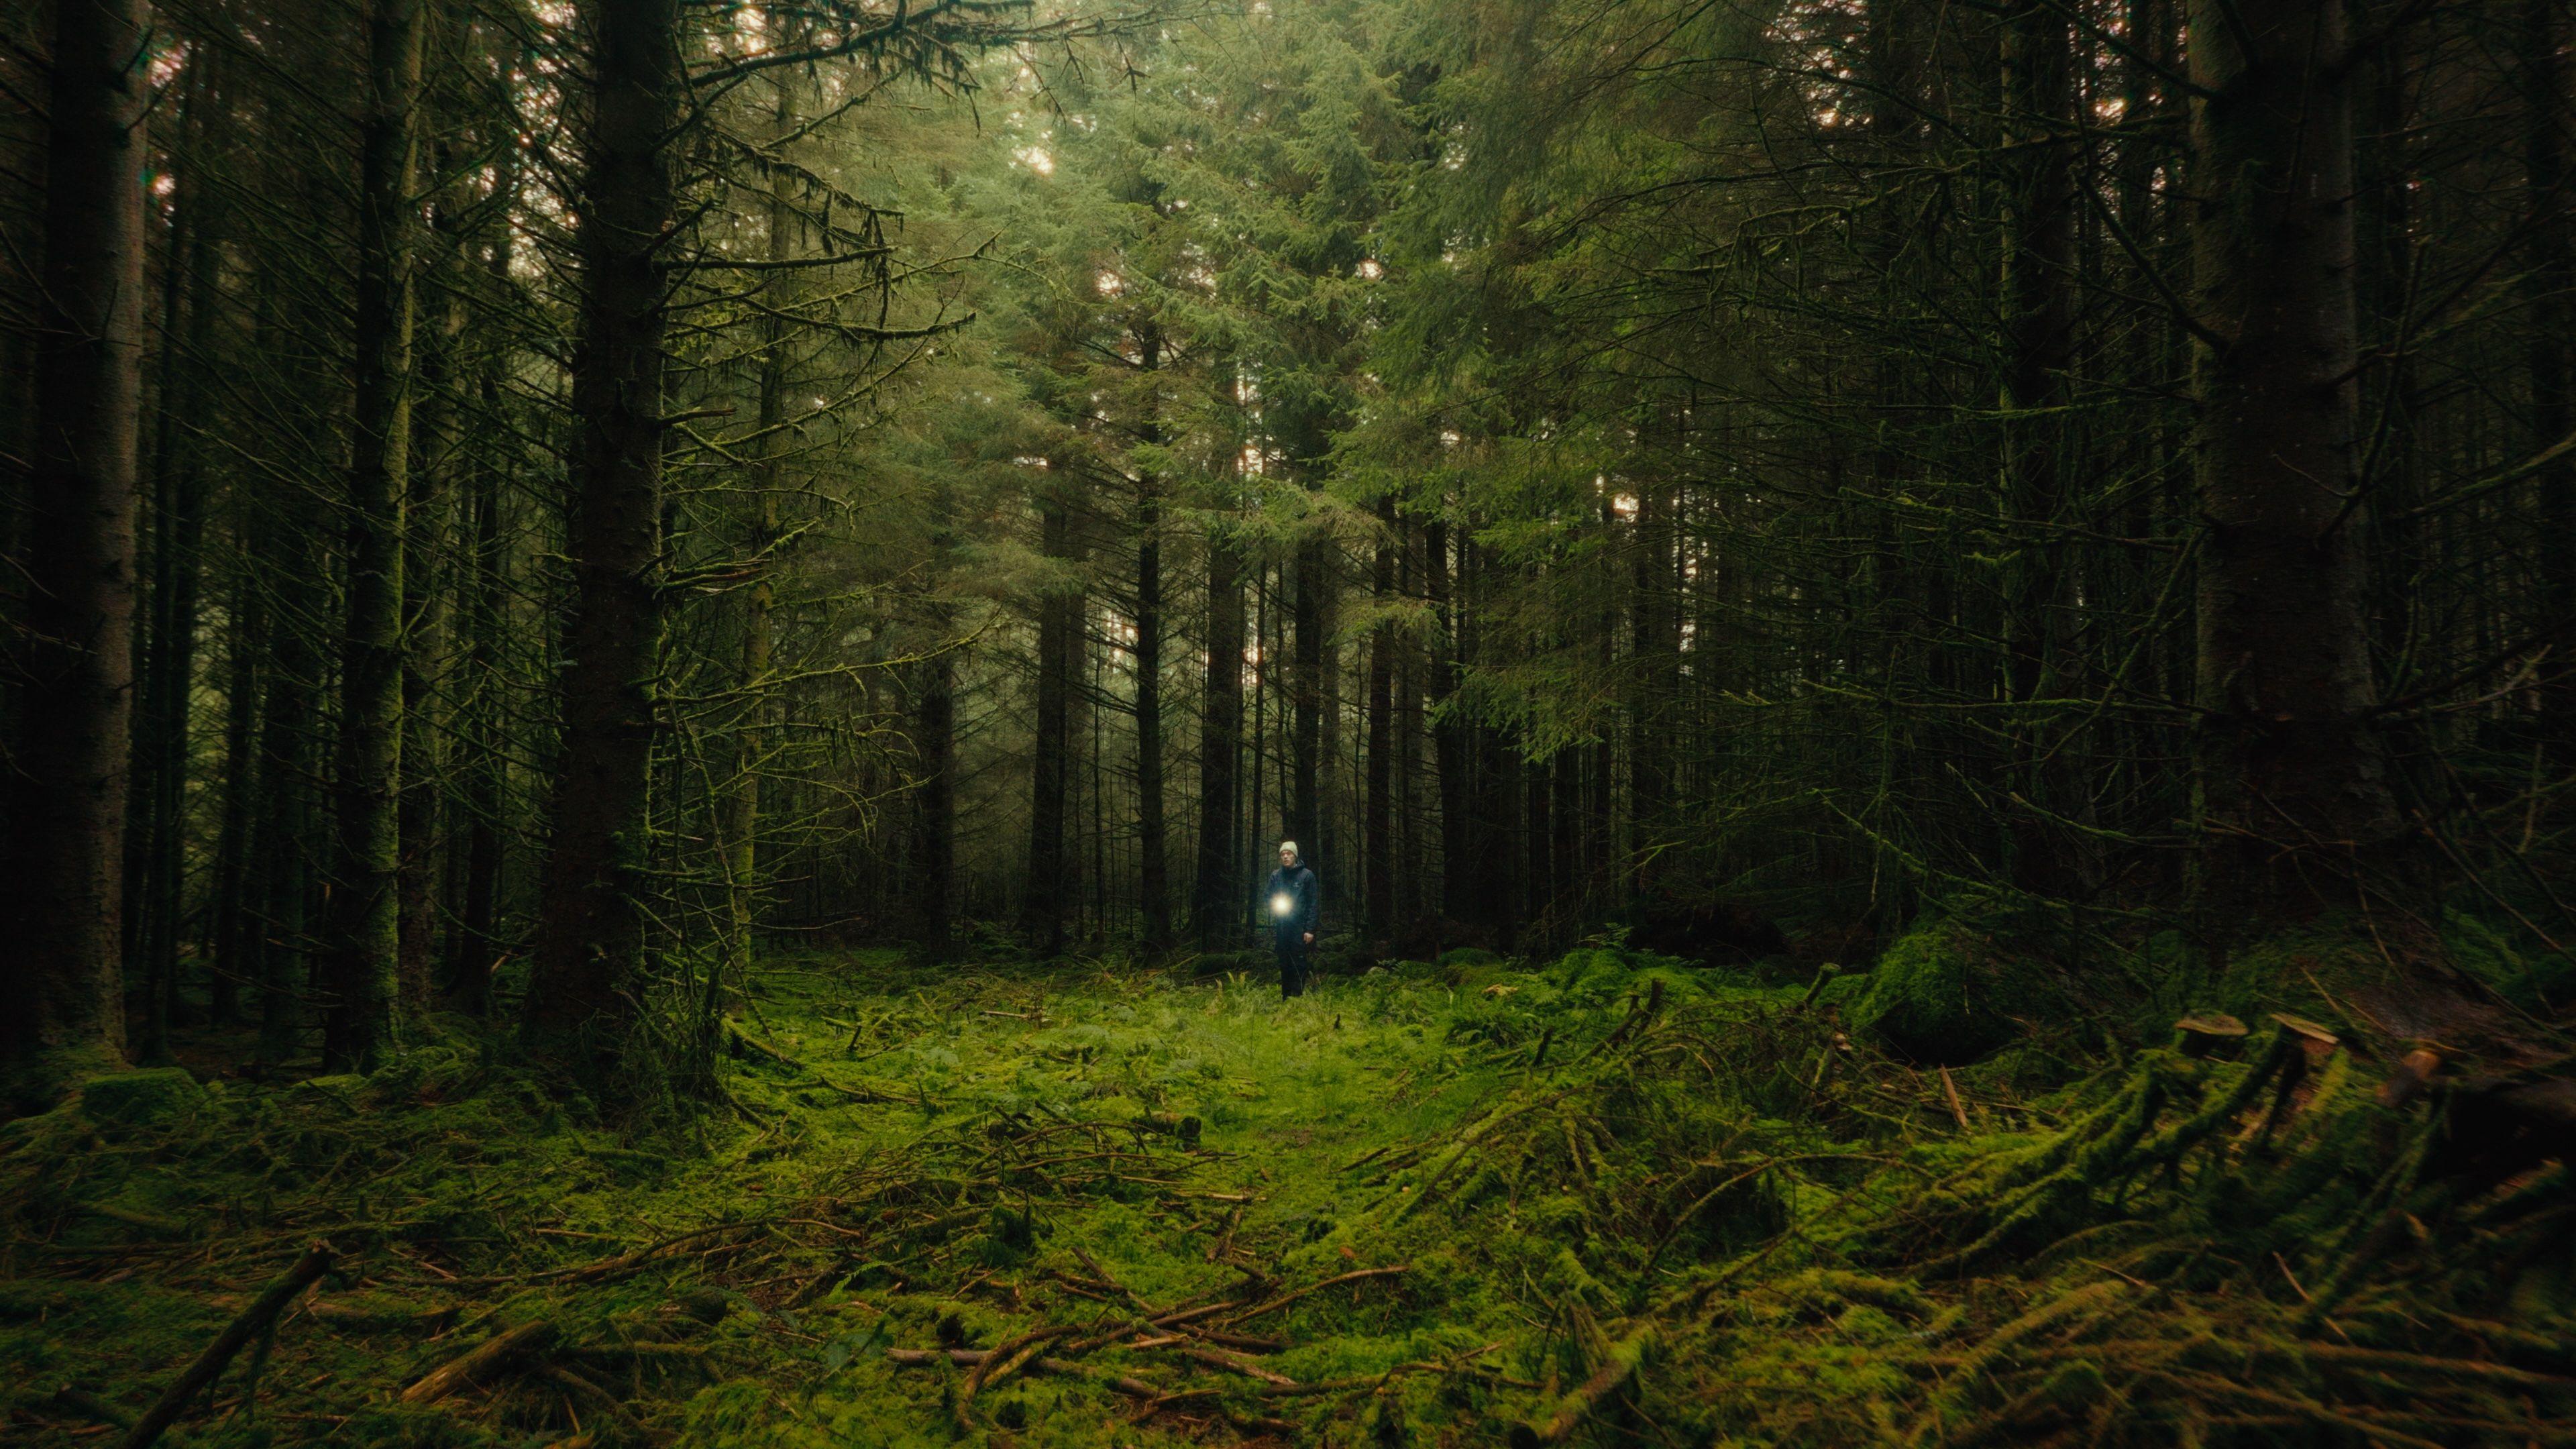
<point>2512,961</point>
<point>146,1097</point>
<point>2387,981</point>
<point>1957,988</point>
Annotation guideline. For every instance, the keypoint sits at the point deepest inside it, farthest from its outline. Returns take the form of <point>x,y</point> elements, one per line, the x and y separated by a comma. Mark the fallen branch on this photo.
<point>1234,1363</point>
<point>246,1325</point>
<point>1284,1299</point>
<point>1001,1364</point>
<point>481,1361</point>
<point>1133,1388</point>
<point>1616,1369</point>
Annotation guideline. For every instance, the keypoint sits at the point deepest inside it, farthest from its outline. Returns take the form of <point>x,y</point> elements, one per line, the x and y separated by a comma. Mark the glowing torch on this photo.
<point>1283,905</point>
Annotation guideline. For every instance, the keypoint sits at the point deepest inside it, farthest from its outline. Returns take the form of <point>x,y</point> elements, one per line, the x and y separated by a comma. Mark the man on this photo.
<point>1292,918</point>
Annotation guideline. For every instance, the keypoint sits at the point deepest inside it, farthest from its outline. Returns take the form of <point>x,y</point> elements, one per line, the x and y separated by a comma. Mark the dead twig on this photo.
<point>246,1325</point>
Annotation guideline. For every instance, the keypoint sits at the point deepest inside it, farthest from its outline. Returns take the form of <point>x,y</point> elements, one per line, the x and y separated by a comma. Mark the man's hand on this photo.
<point>1310,938</point>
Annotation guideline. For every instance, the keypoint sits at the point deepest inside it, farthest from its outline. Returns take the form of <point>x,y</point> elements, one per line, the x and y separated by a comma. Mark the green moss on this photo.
<point>1957,988</point>
<point>145,1097</point>
<point>1688,1167</point>
<point>2510,960</point>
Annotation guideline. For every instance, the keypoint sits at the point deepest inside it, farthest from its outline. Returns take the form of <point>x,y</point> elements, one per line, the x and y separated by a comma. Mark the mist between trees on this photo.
<point>521,508</point>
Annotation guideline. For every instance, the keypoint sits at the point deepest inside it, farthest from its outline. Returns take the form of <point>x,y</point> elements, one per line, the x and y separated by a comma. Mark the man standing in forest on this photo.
<point>1292,918</point>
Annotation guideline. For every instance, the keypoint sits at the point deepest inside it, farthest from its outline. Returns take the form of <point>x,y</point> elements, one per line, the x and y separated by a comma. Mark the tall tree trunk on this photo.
<point>934,837</point>
<point>1059,614</point>
<point>1378,810</point>
<point>1306,688</point>
<point>1459,871</point>
<point>1538,837</point>
<point>156,892</point>
<point>742,803</point>
<point>66,835</point>
<point>1408,749</point>
<point>2291,776</point>
<point>482,739</point>
<point>233,932</point>
<point>1219,892</point>
<point>1153,870</point>
<point>2039,347</point>
<point>2551,273</point>
<point>428,511</point>
<point>363,940</point>
<point>1565,813</point>
<point>290,758</point>
<point>1264,651</point>
<point>589,931</point>
<point>1650,665</point>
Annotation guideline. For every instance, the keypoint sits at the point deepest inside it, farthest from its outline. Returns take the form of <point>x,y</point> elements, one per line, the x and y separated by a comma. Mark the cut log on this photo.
<point>2206,1034</point>
<point>2317,1041</point>
<point>2413,1074</point>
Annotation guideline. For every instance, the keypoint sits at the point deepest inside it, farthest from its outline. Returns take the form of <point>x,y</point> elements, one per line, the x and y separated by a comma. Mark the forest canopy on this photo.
<point>1932,536</point>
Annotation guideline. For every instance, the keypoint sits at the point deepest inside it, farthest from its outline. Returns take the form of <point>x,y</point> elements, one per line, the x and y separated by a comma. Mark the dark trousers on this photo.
<point>1290,947</point>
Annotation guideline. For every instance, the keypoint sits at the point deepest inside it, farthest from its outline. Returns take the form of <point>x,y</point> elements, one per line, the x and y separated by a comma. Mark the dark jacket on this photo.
<point>1298,884</point>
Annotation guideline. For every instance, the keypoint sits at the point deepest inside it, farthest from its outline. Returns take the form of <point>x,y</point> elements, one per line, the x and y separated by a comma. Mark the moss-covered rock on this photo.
<point>146,1097</point>
<point>1956,988</point>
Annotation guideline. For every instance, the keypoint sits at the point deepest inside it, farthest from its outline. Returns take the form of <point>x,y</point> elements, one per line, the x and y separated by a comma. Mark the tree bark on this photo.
<point>589,931</point>
<point>1377,827</point>
<point>2551,278</point>
<point>2039,347</point>
<point>234,932</point>
<point>290,758</point>
<point>1154,903</point>
<point>66,835</point>
<point>1459,873</point>
<point>155,854</point>
<point>742,803</point>
<point>1219,893</point>
<point>934,850</point>
<point>2293,787</point>
<point>362,964</point>
<point>484,768</point>
<point>1408,736</point>
<point>428,523</point>
<point>1059,614</point>
<point>1650,665</point>
<point>1306,687</point>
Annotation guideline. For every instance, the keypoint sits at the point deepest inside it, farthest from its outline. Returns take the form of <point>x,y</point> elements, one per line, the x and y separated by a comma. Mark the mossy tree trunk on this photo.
<point>1217,896</point>
<point>362,952</point>
<point>67,790</point>
<point>589,931</point>
<point>2293,784</point>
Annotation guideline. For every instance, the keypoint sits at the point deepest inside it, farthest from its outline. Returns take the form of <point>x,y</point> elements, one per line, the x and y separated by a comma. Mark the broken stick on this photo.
<point>246,1325</point>
<point>1617,1367</point>
<point>480,1361</point>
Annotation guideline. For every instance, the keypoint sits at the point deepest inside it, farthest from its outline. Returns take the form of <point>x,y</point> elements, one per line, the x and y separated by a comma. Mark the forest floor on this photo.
<point>1604,1199</point>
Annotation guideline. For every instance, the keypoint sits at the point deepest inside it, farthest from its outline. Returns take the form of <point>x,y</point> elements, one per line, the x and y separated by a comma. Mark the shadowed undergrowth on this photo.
<point>1602,1200</point>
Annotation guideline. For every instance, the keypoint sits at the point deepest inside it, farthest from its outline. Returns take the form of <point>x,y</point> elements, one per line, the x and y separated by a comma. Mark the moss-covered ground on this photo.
<point>1602,1200</point>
